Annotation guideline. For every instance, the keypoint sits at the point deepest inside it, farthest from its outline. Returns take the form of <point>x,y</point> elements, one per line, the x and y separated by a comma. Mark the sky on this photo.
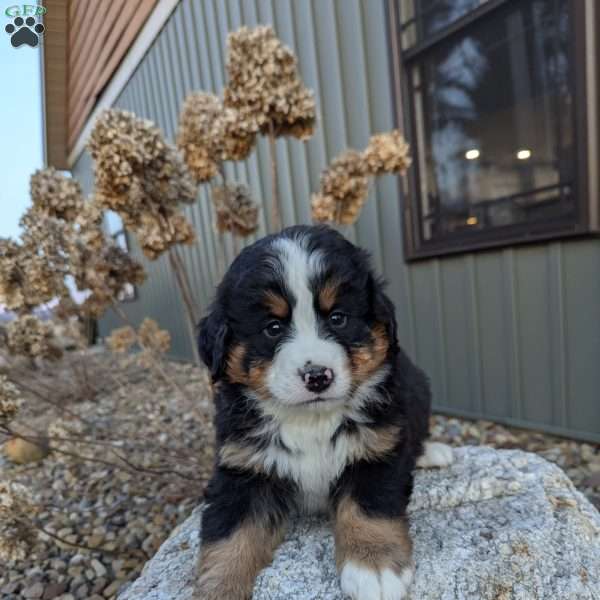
<point>21,150</point>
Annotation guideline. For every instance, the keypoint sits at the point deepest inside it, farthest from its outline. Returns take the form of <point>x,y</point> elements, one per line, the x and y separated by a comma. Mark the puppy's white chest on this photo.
<point>310,458</point>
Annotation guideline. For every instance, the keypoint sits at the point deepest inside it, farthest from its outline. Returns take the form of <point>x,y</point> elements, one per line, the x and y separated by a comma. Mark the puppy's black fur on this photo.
<point>235,346</point>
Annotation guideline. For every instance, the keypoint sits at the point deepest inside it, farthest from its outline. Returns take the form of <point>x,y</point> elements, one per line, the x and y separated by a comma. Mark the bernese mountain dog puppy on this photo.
<point>317,409</point>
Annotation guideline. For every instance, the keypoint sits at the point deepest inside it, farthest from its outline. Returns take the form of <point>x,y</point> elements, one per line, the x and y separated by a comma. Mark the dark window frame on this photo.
<point>585,222</point>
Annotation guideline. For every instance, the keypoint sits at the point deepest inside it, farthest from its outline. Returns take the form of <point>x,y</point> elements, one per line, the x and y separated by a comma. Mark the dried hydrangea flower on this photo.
<point>66,308</point>
<point>89,225</point>
<point>209,133</point>
<point>152,336</point>
<point>345,183</point>
<point>30,337</point>
<point>10,400</point>
<point>239,136</point>
<point>157,233</point>
<point>121,340</point>
<point>323,208</point>
<point>264,86</point>
<point>387,153</point>
<point>11,275</point>
<point>17,508</point>
<point>28,278</point>
<point>235,209</point>
<point>55,194</point>
<point>141,177</point>
<point>105,275</point>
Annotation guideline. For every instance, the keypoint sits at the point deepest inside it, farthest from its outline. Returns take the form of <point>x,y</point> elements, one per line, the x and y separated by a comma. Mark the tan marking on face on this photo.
<point>277,304</point>
<point>227,569</point>
<point>257,378</point>
<point>235,365</point>
<point>241,456</point>
<point>254,378</point>
<point>367,359</point>
<point>375,543</point>
<point>328,295</point>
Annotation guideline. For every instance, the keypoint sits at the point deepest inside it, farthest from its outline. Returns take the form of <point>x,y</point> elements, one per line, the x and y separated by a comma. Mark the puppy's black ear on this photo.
<point>383,309</point>
<point>213,338</point>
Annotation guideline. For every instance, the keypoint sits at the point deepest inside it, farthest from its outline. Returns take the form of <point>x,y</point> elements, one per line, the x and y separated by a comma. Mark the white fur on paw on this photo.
<point>435,455</point>
<point>360,583</point>
<point>394,586</point>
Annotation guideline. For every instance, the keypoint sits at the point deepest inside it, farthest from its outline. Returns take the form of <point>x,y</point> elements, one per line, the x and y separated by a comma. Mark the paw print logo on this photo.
<point>24,32</point>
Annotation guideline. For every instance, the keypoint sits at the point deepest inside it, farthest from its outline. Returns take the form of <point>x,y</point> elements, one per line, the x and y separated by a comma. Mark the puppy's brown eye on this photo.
<point>273,329</point>
<point>338,319</point>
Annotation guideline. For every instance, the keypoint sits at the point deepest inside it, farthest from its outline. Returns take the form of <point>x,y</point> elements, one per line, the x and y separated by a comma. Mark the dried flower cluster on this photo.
<point>264,85</point>
<point>12,276</point>
<point>142,178</point>
<point>153,337</point>
<point>88,225</point>
<point>235,209</point>
<point>345,184</point>
<point>62,236</point>
<point>209,133</point>
<point>27,279</point>
<point>344,189</point>
<point>387,153</point>
<point>122,339</point>
<point>10,400</point>
<point>17,508</point>
<point>30,337</point>
<point>105,275</point>
<point>55,195</point>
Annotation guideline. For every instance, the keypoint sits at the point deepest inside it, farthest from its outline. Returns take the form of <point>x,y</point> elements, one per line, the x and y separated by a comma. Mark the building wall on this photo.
<point>511,335</point>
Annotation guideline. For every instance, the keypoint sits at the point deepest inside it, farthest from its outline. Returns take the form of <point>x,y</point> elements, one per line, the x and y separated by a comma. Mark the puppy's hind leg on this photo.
<point>435,454</point>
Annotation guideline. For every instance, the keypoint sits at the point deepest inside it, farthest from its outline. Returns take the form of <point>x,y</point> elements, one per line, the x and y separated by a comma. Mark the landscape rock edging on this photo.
<point>496,525</point>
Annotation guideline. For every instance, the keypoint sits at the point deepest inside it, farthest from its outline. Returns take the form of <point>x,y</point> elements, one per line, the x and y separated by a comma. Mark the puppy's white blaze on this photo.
<point>436,454</point>
<point>360,583</point>
<point>312,461</point>
<point>304,344</point>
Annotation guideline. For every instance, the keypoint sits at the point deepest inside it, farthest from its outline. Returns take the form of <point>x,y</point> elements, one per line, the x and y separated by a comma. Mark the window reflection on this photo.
<point>494,116</point>
<point>422,18</point>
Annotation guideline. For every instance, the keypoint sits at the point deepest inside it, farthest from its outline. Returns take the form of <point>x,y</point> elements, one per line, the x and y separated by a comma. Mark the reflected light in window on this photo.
<point>472,154</point>
<point>472,221</point>
<point>523,154</point>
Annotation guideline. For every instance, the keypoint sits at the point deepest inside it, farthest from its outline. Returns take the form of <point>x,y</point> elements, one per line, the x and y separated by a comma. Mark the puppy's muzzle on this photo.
<point>316,377</point>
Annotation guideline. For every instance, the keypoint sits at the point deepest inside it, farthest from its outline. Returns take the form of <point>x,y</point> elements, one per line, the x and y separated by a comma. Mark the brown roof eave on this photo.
<point>55,76</point>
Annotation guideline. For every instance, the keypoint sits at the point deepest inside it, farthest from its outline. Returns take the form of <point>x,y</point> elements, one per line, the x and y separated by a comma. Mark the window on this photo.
<point>489,96</point>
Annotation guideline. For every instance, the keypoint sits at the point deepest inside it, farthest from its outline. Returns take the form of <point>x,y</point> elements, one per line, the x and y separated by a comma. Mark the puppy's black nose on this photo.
<point>316,378</point>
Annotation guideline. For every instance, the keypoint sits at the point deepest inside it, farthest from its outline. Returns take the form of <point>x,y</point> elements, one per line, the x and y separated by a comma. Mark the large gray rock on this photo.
<point>497,525</point>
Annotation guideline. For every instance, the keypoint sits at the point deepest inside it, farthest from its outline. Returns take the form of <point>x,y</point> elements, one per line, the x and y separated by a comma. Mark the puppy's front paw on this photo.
<point>435,455</point>
<point>362,583</point>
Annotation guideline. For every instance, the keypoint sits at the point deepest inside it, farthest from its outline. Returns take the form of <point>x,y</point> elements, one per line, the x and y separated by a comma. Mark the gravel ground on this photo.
<point>147,456</point>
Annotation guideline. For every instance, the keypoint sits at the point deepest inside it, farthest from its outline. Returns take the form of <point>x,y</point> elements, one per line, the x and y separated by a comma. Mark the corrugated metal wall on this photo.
<point>512,335</point>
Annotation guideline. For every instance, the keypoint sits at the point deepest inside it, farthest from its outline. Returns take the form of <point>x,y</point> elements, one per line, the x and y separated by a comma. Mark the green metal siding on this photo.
<point>512,335</point>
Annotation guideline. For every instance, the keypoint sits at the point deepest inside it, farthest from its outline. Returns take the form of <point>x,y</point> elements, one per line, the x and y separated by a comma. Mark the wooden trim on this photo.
<point>155,22</point>
<point>86,86</point>
<point>55,54</point>
<point>102,20</point>
<point>78,28</point>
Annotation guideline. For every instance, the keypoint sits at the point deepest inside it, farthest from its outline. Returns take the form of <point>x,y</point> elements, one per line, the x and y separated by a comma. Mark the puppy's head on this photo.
<point>299,319</point>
